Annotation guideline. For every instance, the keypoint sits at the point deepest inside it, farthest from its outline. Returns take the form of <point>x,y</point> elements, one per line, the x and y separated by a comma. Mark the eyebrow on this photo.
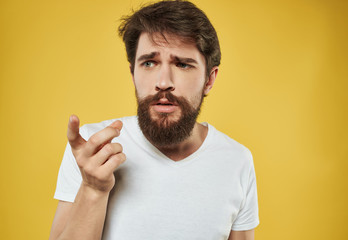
<point>176,58</point>
<point>184,60</point>
<point>147,56</point>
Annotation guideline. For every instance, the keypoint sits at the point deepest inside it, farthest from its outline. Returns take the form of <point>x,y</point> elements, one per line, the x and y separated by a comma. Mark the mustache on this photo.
<point>162,94</point>
<point>165,94</point>
<point>179,101</point>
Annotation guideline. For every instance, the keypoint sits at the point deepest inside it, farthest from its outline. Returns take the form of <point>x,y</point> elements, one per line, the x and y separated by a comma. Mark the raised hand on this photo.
<point>97,158</point>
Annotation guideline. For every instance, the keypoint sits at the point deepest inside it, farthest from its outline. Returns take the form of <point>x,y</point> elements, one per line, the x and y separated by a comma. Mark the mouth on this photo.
<point>165,106</point>
<point>165,102</point>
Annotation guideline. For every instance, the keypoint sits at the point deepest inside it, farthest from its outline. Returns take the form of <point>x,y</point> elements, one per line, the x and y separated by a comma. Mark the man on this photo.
<point>181,179</point>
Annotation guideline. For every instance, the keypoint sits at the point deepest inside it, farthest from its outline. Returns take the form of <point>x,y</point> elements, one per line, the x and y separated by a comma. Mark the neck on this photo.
<point>182,150</point>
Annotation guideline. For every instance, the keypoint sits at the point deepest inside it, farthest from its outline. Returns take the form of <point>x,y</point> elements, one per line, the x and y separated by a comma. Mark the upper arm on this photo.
<point>60,218</point>
<point>242,235</point>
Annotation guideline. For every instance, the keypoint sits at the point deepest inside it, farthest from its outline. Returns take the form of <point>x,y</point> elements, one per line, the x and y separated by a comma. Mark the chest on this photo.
<point>157,201</point>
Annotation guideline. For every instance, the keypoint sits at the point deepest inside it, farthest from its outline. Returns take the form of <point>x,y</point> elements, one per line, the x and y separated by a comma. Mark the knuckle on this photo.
<point>115,131</point>
<point>113,161</point>
<point>79,159</point>
<point>94,140</point>
<point>117,160</point>
<point>120,158</point>
<point>100,176</point>
<point>108,149</point>
<point>68,135</point>
<point>88,169</point>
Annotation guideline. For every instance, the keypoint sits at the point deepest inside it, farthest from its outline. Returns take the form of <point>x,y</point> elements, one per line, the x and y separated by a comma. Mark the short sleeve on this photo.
<point>248,215</point>
<point>69,176</point>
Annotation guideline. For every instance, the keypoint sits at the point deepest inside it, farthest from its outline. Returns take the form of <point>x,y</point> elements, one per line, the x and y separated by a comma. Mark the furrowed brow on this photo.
<point>184,60</point>
<point>147,56</point>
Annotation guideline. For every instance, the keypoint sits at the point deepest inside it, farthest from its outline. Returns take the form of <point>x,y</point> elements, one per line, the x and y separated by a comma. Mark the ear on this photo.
<point>210,82</point>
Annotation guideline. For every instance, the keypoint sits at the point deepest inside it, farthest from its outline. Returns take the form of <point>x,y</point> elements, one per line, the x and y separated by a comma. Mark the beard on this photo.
<point>161,130</point>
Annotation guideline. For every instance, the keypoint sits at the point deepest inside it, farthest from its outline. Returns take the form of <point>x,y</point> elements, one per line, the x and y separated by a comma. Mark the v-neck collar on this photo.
<point>156,153</point>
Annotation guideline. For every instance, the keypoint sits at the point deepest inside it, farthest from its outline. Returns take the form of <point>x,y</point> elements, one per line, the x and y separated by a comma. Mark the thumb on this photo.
<point>74,137</point>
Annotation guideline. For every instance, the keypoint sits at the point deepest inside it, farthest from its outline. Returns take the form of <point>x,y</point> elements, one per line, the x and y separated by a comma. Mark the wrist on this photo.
<point>92,193</point>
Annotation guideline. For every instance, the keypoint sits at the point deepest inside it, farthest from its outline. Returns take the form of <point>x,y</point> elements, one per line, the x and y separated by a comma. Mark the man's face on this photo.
<point>170,81</point>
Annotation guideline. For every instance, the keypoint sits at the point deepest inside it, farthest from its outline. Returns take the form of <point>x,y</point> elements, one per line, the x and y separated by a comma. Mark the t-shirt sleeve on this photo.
<point>248,216</point>
<point>69,176</point>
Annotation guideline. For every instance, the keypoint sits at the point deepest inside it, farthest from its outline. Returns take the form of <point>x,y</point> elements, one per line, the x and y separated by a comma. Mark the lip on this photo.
<point>165,101</point>
<point>164,106</point>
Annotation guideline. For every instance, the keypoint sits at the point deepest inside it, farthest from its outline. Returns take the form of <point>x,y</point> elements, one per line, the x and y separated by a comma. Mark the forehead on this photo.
<point>167,44</point>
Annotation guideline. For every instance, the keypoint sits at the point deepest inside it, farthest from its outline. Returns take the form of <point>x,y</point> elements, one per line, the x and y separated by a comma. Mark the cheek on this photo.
<point>142,83</point>
<point>190,84</point>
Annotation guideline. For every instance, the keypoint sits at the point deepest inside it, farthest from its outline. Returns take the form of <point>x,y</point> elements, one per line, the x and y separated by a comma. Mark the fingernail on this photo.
<point>113,125</point>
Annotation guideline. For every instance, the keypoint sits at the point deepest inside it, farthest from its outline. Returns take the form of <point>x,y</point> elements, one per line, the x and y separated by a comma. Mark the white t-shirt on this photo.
<point>203,196</point>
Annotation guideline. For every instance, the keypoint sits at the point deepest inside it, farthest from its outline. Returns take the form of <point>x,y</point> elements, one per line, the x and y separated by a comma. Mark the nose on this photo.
<point>165,79</point>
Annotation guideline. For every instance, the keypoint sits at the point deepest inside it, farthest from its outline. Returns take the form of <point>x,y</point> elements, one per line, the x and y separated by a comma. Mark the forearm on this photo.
<point>87,217</point>
<point>97,158</point>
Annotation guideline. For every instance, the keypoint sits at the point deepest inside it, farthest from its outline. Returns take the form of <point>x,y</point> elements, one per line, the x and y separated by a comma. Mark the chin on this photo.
<point>165,119</point>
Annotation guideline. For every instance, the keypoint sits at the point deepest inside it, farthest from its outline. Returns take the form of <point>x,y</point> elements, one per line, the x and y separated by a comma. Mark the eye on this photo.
<point>148,64</point>
<point>183,65</point>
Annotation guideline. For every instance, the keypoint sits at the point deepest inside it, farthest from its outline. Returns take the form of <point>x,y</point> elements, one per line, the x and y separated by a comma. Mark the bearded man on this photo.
<point>182,179</point>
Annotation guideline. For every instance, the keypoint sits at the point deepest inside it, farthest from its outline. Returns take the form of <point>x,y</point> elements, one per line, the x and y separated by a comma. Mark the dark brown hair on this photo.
<point>178,17</point>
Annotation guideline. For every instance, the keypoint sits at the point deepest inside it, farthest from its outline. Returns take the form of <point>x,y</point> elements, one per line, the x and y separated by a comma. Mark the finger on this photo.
<point>117,124</point>
<point>73,134</point>
<point>106,152</point>
<point>99,139</point>
<point>113,162</point>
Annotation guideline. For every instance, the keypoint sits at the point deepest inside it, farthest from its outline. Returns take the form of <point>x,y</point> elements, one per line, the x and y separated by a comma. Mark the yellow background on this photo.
<point>281,91</point>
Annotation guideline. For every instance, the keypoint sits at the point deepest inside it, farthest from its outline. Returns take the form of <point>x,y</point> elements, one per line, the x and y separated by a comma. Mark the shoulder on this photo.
<point>87,130</point>
<point>223,143</point>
